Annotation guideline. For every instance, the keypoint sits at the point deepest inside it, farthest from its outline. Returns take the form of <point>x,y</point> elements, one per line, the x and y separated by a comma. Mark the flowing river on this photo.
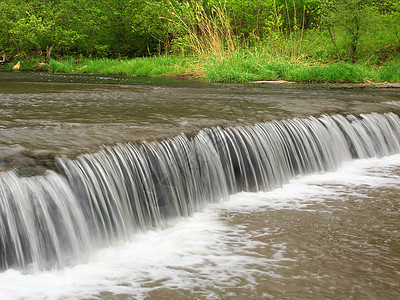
<point>117,188</point>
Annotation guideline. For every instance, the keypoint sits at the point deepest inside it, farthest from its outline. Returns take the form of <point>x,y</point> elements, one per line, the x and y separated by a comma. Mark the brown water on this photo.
<point>328,236</point>
<point>323,236</point>
<point>42,115</point>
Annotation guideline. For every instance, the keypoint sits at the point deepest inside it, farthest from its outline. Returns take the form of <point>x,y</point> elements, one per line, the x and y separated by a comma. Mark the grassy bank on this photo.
<point>154,66</point>
<point>218,41</point>
<point>245,68</point>
<point>238,68</point>
<point>157,66</point>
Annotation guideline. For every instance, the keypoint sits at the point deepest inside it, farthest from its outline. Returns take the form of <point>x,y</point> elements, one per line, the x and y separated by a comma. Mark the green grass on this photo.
<point>390,72</point>
<point>64,66</point>
<point>335,72</point>
<point>153,66</point>
<point>242,67</point>
<point>245,68</point>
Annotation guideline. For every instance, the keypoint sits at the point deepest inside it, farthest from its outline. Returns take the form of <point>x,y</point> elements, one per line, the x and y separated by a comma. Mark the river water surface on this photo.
<point>333,235</point>
<point>46,114</point>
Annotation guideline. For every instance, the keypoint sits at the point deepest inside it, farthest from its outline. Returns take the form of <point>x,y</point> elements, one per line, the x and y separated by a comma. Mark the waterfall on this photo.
<point>98,199</point>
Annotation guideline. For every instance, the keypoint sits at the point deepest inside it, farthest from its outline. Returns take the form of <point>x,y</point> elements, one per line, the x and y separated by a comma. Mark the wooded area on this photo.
<point>320,30</point>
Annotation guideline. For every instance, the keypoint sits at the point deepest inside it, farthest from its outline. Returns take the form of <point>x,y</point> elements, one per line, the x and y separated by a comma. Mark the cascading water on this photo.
<point>100,198</point>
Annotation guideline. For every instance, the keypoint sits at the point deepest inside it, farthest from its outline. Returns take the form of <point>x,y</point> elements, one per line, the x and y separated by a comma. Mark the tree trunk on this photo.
<point>333,41</point>
<point>48,52</point>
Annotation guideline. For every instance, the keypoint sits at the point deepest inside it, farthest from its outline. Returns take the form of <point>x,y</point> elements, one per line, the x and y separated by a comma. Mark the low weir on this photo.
<point>99,199</point>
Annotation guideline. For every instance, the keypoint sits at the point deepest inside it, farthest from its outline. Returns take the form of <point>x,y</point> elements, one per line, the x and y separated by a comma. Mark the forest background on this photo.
<point>222,41</point>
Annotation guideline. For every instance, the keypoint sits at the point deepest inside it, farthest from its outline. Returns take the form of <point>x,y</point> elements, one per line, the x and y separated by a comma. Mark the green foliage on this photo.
<point>101,28</point>
<point>35,27</point>
<point>130,28</point>
<point>363,29</point>
<point>241,40</point>
<point>352,16</point>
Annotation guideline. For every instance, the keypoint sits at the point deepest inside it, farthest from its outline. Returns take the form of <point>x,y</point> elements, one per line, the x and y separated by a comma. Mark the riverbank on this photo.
<point>239,68</point>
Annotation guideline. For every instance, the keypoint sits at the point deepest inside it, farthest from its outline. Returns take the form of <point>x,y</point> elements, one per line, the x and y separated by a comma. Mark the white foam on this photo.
<point>301,192</point>
<point>200,253</point>
<point>196,252</point>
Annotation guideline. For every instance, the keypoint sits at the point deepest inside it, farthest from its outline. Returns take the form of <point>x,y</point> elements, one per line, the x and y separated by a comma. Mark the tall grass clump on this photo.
<point>200,31</point>
<point>62,66</point>
<point>244,67</point>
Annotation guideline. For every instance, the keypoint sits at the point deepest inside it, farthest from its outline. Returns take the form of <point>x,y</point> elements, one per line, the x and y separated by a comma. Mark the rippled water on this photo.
<point>42,115</point>
<point>324,236</point>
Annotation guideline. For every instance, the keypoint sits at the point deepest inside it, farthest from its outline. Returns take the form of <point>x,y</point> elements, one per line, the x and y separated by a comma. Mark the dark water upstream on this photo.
<point>42,114</point>
<point>294,196</point>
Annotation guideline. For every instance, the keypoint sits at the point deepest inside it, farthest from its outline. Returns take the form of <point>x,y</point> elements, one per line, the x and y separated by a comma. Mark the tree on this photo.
<point>350,18</point>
